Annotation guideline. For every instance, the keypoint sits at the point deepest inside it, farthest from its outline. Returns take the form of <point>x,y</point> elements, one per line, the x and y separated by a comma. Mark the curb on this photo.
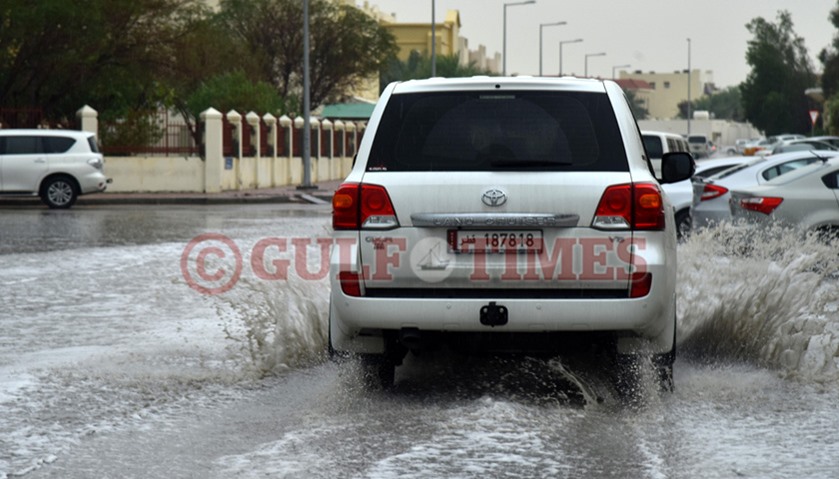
<point>93,200</point>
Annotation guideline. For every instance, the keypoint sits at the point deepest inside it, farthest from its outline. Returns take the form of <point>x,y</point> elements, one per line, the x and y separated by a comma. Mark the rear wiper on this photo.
<point>513,163</point>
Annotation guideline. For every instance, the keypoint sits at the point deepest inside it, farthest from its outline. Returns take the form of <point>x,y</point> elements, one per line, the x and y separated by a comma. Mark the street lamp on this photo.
<point>618,66</point>
<point>433,40</point>
<point>688,86</point>
<point>541,26</point>
<point>592,55</point>
<point>578,40</point>
<point>504,71</point>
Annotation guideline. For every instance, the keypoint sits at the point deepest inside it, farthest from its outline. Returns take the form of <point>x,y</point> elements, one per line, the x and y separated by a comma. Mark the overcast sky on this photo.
<point>651,35</point>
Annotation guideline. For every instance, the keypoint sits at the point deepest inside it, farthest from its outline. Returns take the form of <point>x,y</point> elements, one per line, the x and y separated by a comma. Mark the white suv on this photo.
<point>57,165</point>
<point>503,214</point>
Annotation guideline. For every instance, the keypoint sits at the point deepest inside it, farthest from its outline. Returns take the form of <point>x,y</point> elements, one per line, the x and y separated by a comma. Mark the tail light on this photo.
<point>362,206</point>
<point>350,283</point>
<point>640,284</point>
<point>712,191</point>
<point>761,204</point>
<point>636,206</point>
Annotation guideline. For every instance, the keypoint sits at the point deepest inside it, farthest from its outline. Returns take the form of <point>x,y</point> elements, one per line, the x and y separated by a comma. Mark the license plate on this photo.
<point>494,241</point>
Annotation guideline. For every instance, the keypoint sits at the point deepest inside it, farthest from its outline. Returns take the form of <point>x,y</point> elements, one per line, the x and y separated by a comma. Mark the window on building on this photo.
<point>667,84</point>
<point>652,85</point>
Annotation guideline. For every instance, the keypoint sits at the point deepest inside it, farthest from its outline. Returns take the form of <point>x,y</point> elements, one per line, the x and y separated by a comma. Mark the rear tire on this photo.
<point>378,371</point>
<point>59,192</point>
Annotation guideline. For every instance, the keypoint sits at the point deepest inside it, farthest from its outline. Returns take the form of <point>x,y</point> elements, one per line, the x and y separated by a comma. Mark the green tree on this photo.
<point>347,46</point>
<point>773,93</point>
<point>234,90</point>
<point>829,58</point>
<point>639,109</point>
<point>59,55</point>
<point>418,66</point>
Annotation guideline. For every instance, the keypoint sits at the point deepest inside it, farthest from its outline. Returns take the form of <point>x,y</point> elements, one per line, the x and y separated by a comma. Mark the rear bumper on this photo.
<point>95,182</point>
<point>358,323</point>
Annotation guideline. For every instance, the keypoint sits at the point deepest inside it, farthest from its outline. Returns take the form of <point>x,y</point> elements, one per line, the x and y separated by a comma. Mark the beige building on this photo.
<point>417,37</point>
<point>665,91</point>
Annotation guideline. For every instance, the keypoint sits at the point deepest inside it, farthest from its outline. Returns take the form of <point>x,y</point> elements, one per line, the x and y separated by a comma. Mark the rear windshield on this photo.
<point>696,139</point>
<point>487,131</point>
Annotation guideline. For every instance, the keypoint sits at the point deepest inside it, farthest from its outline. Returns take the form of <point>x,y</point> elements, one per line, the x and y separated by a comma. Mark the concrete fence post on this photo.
<point>213,149</point>
<point>327,172</point>
<point>253,121</point>
<point>296,167</point>
<point>235,119</point>
<point>285,124</point>
<point>271,122</point>
<point>271,126</point>
<point>89,119</point>
<point>350,139</point>
<point>315,150</point>
<point>340,139</point>
<point>327,137</point>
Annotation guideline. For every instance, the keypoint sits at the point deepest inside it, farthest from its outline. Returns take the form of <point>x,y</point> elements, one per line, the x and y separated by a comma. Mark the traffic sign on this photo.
<point>814,115</point>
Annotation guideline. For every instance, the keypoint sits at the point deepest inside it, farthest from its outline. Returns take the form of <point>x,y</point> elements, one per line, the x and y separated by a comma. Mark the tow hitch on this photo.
<point>493,315</point>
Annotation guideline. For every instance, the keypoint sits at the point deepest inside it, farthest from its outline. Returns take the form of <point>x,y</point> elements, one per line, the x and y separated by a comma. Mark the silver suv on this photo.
<point>503,214</point>
<point>57,165</point>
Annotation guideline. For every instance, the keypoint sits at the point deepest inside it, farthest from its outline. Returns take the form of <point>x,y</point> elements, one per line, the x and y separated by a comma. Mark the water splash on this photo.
<point>764,296</point>
<point>277,325</point>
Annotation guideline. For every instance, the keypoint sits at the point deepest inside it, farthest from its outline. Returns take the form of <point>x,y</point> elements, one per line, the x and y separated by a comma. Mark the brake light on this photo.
<point>712,191</point>
<point>640,284</point>
<point>362,206</point>
<point>350,283</point>
<point>630,206</point>
<point>761,204</point>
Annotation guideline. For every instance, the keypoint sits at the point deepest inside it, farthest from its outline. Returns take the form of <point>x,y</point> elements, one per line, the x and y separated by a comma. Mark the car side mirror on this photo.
<point>677,166</point>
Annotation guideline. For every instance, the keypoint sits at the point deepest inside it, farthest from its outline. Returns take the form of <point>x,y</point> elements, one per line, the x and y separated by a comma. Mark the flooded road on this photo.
<point>115,363</point>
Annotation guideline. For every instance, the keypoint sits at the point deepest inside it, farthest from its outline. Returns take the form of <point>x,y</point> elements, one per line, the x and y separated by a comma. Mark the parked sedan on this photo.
<point>711,195</point>
<point>681,193</point>
<point>803,145</point>
<point>807,198</point>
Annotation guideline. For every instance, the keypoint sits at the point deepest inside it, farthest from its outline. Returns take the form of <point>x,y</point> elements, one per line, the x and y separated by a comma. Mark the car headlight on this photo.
<point>95,162</point>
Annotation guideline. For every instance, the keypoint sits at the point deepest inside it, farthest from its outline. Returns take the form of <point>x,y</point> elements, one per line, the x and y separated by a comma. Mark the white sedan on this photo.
<point>807,198</point>
<point>681,193</point>
<point>711,195</point>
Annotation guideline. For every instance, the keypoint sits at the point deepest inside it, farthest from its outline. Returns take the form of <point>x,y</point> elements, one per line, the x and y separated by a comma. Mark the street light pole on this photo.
<point>689,75</point>
<point>541,26</point>
<point>618,66</point>
<point>307,130</point>
<point>504,70</point>
<point>592,55</point>
<point>433,40</point>
<point>577,40</point>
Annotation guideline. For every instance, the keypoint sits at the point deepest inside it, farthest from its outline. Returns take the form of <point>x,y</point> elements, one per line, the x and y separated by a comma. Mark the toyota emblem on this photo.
<point>494,197</point>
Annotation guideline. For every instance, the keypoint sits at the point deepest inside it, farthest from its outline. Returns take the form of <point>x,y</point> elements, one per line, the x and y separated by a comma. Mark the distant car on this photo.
<point>807,198</point>
<point>657,143</point>
<point>743,143</point>
<point>681,193</point>
<point>700,146</point>
<point>770,143</point>
<point>711,195</point>
<point>802,145</point>
<point>831,140</point>
<point>57,165</point>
